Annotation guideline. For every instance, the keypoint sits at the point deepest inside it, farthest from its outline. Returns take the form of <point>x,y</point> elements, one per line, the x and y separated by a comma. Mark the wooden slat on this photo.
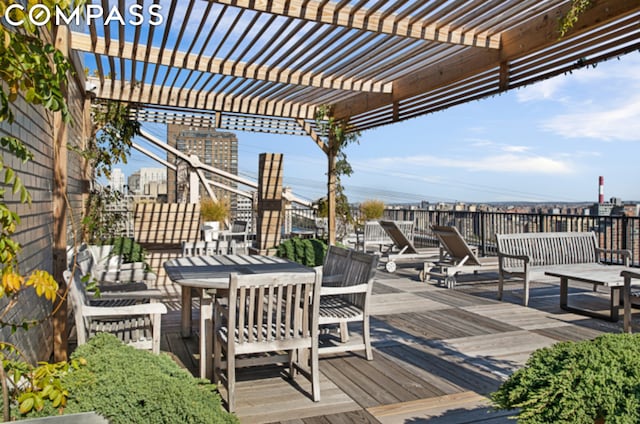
<point>361,18</point>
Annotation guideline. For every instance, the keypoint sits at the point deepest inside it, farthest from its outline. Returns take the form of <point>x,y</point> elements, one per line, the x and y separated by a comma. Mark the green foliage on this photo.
<point>129,249</point>
<point>114,131</point>
<point>212,210</point>
<point>127,385</point>
<point>340,132</point>
<point>577,382</point>
<point>36,71</point>
<point>34,388</point>
<point>308,252</point>
<point>100,220</point>
<point>578,7</point>
<point>372,209</point>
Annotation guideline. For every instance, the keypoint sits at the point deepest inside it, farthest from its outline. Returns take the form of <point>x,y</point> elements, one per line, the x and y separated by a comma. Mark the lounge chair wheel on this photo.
<point>390,266</point>
<point>422,275</point>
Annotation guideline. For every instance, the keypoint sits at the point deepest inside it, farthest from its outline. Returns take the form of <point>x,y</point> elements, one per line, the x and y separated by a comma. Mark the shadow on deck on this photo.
<point>438,353</point>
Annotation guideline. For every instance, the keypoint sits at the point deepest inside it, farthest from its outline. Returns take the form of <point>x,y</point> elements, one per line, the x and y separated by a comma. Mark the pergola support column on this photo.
<point>270,204</point>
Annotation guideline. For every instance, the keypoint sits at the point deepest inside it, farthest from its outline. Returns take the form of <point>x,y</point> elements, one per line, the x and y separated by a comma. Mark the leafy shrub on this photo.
<point>211,210</point>
<point>577,382</point>
<point>308,252</point>
<point>127,385</point>
<point>126,247</point>
<point>372,209</point>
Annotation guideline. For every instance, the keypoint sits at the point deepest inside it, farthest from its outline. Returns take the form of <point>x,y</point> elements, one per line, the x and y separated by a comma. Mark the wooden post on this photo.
<point>269,202</point>
<point>331,192</point>
<point>60,214</point>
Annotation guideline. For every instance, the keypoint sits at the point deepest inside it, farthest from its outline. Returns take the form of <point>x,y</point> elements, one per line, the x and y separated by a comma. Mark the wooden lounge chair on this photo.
<point>455,256</point>
<point>406,248</point>
<point>274,312</point>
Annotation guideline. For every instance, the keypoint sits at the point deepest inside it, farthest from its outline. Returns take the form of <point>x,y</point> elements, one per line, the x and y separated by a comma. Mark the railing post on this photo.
<point>483,234</point>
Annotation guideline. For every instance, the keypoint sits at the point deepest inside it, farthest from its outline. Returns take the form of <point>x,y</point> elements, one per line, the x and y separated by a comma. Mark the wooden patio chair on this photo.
<point>348,301</point>
<point>109,272</point>
<point>133,316</point>
<point>270,312</point>
<point>237,237</point>
<point>455,256</point>
<point>406,249</point>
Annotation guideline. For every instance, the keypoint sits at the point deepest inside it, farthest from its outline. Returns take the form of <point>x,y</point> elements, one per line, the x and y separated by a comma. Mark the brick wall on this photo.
<point>34,126</point>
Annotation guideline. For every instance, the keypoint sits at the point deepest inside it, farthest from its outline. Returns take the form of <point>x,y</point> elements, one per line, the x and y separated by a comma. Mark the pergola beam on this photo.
<point>191,99</point>
<point>527,38</point>
<point>354,17</point>
<point>195,62</point>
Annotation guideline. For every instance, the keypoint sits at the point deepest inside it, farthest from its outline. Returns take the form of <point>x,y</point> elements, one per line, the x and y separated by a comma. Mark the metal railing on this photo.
<point>480,228</point>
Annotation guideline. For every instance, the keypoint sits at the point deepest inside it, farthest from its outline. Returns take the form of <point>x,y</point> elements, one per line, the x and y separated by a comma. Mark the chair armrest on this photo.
<point>329,291</point>
<point>524,258</point>
<point>630,274</point>
<point>116,311</point>
<point>625,253</point>
<point>133,295</point>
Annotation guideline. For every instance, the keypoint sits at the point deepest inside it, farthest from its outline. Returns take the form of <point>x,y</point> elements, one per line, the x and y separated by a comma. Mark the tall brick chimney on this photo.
<point>601,190</point>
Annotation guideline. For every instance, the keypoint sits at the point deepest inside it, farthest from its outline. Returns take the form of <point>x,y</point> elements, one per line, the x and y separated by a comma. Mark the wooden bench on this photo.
<point>525,255</point>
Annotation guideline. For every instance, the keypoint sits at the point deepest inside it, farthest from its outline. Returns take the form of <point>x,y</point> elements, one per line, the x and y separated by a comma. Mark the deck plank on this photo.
<point>438,354</point>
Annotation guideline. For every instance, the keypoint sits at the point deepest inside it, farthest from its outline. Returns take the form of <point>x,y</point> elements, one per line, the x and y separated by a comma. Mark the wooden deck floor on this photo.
<point>438,353</point>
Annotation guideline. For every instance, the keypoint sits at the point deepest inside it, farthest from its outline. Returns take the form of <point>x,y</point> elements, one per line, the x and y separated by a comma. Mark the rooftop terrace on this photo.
<point>438,353</point>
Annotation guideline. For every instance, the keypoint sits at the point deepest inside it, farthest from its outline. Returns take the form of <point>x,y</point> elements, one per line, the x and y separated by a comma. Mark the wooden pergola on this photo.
<point>267,66</point>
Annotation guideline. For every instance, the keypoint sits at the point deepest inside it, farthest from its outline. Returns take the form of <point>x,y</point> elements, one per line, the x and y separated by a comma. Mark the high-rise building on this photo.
<point>117,180</point>
<point>215,148</point>
<point>140,180</point>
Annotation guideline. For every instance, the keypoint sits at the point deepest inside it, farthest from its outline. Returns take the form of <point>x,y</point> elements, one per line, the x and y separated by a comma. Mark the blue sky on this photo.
<point>546,142</point>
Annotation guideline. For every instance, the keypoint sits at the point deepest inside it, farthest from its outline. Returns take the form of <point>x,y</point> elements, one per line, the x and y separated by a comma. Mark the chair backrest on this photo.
<point>549,248</point>
<point>397,236</point>
<point>451,240</point>
<point>84,260</point>
<point>78,299</point>
<point>239,226</point>
<point>336,261</point>
<point>273,309</point>
<point>361,270</point>
<point>200,248</point>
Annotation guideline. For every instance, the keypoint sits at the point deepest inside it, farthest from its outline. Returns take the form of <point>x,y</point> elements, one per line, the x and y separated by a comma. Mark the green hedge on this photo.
<point>308,252</point>
<point>127,385</point>
<point>577,382</point>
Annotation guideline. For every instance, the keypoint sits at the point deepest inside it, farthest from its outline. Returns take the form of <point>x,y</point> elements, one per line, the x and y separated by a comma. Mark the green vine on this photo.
<point>568,21</point>
<point>36,71</point>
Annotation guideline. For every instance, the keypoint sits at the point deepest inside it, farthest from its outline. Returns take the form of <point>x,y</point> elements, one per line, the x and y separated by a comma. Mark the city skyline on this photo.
<point>543,143</point>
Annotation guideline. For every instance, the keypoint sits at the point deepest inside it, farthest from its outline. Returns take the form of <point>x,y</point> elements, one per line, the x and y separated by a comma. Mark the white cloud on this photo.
<point>500,163</point>
<point>516,149</point>
<point>543,90</point>
<point>608,124</point>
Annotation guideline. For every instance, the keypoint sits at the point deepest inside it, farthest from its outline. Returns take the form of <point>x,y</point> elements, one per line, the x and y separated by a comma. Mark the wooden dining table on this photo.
<point>211,275</point>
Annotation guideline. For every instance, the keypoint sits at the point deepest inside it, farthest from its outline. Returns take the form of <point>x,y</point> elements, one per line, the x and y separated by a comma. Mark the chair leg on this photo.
<point>366,335</point>
<point>525,296</point>
<point>293,357</point>
<point>231,382</point>
<point>344,332</point>
<point>500,285</point>
<point>315,372</point>
<point>217,361</point>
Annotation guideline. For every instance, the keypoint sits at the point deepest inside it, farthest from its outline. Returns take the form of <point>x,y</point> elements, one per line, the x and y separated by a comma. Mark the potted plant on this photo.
<point>589,381</point>
<point>213,213</point>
